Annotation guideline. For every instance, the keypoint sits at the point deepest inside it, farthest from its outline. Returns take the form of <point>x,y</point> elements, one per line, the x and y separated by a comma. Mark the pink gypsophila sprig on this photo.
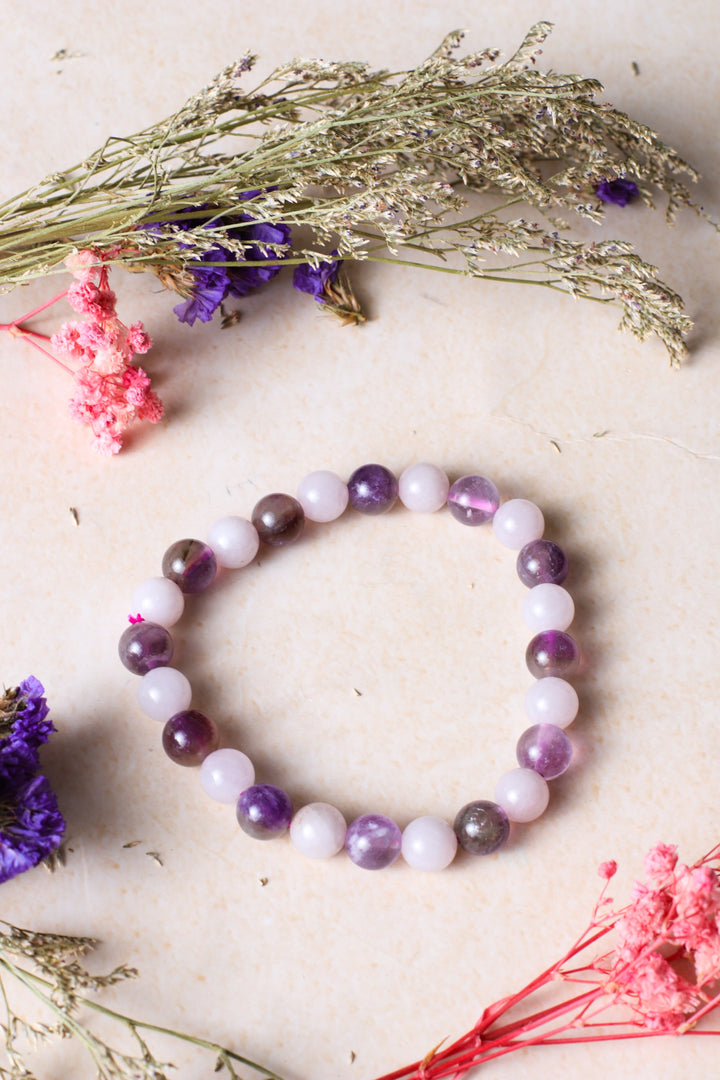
<point>110,391</point>
<point>662,976</point>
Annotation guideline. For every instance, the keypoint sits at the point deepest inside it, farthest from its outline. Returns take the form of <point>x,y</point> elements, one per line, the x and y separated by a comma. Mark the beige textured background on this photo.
<point>324,962</point>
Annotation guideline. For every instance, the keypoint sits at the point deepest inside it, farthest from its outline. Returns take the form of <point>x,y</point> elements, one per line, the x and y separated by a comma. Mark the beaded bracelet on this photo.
<point>372,841</point>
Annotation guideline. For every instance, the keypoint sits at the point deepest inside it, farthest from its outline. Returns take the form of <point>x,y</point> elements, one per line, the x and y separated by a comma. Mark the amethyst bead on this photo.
<point>264,811</point>
<point>189,736</point>
<point>473,500</point>
<point>144,646</point>
<point>552,652</point>
<point>481,827</point>
<point>373,841</point>
<point>546,749</point>
<point>279,519</point>
<point>542,561</point>
<point>372,489</point>
<point>191,564</point>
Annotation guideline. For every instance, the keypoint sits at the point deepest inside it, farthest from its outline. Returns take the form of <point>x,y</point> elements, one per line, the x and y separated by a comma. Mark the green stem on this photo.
<point>34,982</point>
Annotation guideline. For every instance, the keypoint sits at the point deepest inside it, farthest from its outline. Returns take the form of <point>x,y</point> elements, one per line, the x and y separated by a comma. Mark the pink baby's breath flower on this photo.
<point>87,298</point>
<point>660,861</point>
<point>607,869</point>
<point>67,341</point>
<point>661,996</point>
<point>138,338</point>
<point>661,977</point>
<point>84,265</point>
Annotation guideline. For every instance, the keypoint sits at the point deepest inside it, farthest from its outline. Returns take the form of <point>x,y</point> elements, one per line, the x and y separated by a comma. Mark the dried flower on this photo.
<point>31,825</point>
<point>620,191</point>
<point>316,279</point>
<point>378,166</point>
<point>662,973</point>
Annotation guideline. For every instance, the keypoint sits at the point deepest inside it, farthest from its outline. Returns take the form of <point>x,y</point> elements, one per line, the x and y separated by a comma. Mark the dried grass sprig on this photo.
<point>377,166</point>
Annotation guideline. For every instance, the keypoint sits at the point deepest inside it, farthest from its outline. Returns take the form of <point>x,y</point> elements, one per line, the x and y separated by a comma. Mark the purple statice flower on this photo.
<point>314,279</point>
<point>243,279</point>
<point>31,827</point>
<point>620,191</point>
<point>212,284</point>
<point>210,288</point>
<point>25,729</point>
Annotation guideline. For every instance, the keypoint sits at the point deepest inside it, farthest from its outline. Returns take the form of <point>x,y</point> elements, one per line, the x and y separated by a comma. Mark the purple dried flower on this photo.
<point>24,729</point>
<point>31,827</point>
<point>210,289</point>
<point>620,191</point>
<point>314,279</point>
<point>212,284</point>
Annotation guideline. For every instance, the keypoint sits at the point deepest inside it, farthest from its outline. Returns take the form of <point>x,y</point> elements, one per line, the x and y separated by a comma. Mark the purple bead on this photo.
<point>473,500</point>
<point>189,736</point>
<point>552,652</point>
<point>191,564</point>
<point>546,749</point>
<point>542,561</point>
<point>372,489</point>
<point>481,827</point>
<point>264,811</point>
<point>279,519</point>
<point>144,646</point>
<point>373,841</point>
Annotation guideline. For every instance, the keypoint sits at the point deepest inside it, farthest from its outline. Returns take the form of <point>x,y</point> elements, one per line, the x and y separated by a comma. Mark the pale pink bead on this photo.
<point>158,600</point>
<point>234,540</point>
<point>517,522</point>
<point>318,830</point>
<point>429,843</point>
<point>162,692</point>
<point>424,488</point>
<point>523,794</point>
<point>323,496</point>
<point>225,774</point>
<point>548,607</point>
<point>552,701</point>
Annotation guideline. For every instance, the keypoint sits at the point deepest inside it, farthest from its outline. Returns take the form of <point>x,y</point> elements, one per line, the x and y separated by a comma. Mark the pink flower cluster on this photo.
<point>110,391</point>
<point>673,920</point>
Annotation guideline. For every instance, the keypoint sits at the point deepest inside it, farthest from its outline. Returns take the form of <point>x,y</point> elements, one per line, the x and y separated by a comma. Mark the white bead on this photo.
<point>552,701</point>
<point>523,794</point>
<point>429,843</point>
<point>424,488</point>
<point>318,830</point>
<point>323,496</point>
<point>162,692</point>
<point>235,542</point>
<point>517,522</point>
<point>224,774</point>
<point>548,607</point>
<point>159,600</point>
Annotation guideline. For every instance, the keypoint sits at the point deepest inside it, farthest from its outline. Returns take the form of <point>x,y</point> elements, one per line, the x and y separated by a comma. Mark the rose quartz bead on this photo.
<point>523,794</point>
<point>318,830</point>
<point>163,692</point>
<point>323,496</point>
<point>517,522</point>
<point>158,600</point>
<point>234,540</point>
<point>552,701</point>
<point>429,843</point>
<point>225,774</point>
<point>424,488</point>
<point>548,607</point>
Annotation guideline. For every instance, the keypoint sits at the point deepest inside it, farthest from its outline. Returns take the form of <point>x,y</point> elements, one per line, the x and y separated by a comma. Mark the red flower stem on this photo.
<point>48,303</point>
<point>473,1048</point>
<point>698,1015</point>
<point>30,337</point>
